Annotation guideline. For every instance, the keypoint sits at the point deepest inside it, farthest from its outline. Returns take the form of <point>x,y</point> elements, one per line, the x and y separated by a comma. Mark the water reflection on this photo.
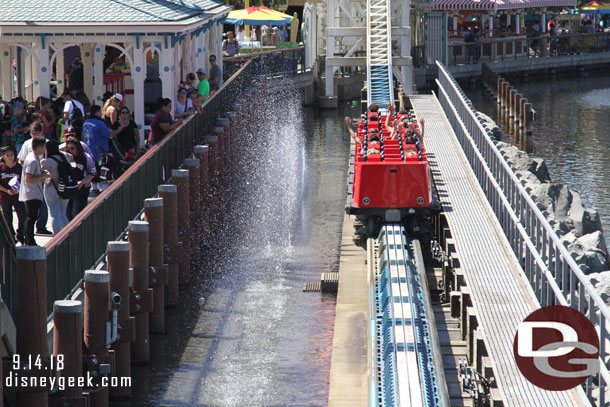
<point>258,339</point>
<point>570,133</point>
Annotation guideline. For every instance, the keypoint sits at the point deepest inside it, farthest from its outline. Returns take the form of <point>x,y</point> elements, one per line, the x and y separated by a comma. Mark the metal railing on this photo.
<point>82,243</point>
<point>501,49</point>
<point>283,61</point>
<point>555,277</point>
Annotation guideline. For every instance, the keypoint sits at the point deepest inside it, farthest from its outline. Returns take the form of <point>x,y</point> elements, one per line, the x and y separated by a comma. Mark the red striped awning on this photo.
<point>463,5</point>
<point>498,4</point>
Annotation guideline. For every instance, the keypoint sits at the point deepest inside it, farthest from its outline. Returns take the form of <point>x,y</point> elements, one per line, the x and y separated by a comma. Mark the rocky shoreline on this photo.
<point>579,228</point>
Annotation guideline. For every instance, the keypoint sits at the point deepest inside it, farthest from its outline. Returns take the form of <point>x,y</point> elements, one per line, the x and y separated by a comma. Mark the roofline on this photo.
<point>123,27</point>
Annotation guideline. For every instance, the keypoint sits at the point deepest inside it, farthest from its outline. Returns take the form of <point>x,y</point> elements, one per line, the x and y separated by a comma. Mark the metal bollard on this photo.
<point>118,269</point>
<point>97,360</point>
<point>193,164</point>
<point>169,193</point>
<point>31,322</point>
<point>153,213</point>
<point>181,179</point>
<point>141,295</point>
<point>68,347</point>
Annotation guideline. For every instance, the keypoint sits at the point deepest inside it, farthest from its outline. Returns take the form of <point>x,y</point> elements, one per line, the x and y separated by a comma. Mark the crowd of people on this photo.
<point>52,153</point>
<point>266,34</point>
<point>54,150</point>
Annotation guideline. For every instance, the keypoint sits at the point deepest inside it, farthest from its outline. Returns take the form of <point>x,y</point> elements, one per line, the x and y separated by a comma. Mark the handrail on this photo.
<point>546,258</point>
<point>82,243</point>
<point>119,183</point>
<point>250,55</point>
<point>526,38</point>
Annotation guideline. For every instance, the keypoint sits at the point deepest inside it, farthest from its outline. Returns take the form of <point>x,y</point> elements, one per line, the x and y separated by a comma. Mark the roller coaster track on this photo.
<point>408,368</point>
<point>379,53</point>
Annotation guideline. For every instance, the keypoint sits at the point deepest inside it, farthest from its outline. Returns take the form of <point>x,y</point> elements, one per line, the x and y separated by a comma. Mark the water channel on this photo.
<point>571,132</point>
<point>255,339</point>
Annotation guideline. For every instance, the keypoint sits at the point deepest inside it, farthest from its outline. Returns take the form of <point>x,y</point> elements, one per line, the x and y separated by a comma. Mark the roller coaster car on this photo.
<point>389,185</point>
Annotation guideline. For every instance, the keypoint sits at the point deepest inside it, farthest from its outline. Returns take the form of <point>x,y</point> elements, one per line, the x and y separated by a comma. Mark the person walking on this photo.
<point>84,172</point>
<point>75,75</point>
<point>10,177</point>
<point>31,188</point>
<point>56,204</point>
<point>96,132</point>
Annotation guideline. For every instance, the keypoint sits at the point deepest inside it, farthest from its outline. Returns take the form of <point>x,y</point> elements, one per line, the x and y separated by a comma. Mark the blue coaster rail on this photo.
<point>404,355</point>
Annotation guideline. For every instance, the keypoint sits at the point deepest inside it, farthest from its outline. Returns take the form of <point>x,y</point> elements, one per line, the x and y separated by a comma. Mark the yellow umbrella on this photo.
<point>257,16</point>
<point>594,5</point>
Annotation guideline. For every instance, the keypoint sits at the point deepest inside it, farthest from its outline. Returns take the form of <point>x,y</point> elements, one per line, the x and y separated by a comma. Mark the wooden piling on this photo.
<point>511,102</point>
<point>118,269</point>
<point>499,91</point>
<point>518,98</point>
<point>201,153</point>
<point>153,214</point>
<point>192,165</point>
<point>141,295</point>
<point>31,321</point>
<point>96,318</point>
<point>181,179</point>
<point>233,142</point>
<point>67,345</point>
<point>169,193</point>
<point>226,125</point>
<point>528,126</point>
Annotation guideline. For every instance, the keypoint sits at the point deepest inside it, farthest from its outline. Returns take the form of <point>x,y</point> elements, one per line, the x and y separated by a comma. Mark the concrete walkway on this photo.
<point>350,364</point>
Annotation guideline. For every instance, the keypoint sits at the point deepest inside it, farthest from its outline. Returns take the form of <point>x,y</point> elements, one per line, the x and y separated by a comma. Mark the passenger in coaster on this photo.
<point>373,137</point>
<point>405,127</point>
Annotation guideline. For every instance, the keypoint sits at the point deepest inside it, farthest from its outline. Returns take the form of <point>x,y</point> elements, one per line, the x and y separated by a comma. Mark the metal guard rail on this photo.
<point>284,61</point>
<point>552,272</point>
<point>82,243</point>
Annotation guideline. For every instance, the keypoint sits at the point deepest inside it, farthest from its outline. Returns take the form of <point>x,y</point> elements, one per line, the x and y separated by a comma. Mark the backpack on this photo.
<point>76,120</point>
<point>66,186</point>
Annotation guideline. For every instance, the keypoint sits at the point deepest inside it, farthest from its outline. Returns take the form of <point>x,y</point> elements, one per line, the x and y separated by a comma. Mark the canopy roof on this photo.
<point>498,4</point>
<point>595,6</point>
<point>58,12</point>
<point>258,16</point>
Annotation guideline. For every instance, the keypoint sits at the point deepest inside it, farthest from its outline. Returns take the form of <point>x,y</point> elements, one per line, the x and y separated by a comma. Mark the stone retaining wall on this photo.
<point>579,228</point>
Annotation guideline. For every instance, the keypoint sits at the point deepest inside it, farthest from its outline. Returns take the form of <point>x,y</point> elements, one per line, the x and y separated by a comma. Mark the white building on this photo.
<point>176,35</point>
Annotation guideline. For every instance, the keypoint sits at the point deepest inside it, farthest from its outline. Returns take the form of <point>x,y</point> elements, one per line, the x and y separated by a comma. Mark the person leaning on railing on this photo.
<point>230,46</point>
<point>162,123</point>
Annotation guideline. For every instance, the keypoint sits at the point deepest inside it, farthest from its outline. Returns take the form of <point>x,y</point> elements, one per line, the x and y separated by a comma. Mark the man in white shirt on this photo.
<point>69,107</point>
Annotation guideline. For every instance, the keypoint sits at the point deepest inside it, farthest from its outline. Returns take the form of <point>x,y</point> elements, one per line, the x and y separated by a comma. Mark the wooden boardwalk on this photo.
<point>501,294</point>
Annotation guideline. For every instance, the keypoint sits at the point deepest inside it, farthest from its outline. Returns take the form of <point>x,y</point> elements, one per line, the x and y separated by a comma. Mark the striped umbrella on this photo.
<point>258,16</point>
